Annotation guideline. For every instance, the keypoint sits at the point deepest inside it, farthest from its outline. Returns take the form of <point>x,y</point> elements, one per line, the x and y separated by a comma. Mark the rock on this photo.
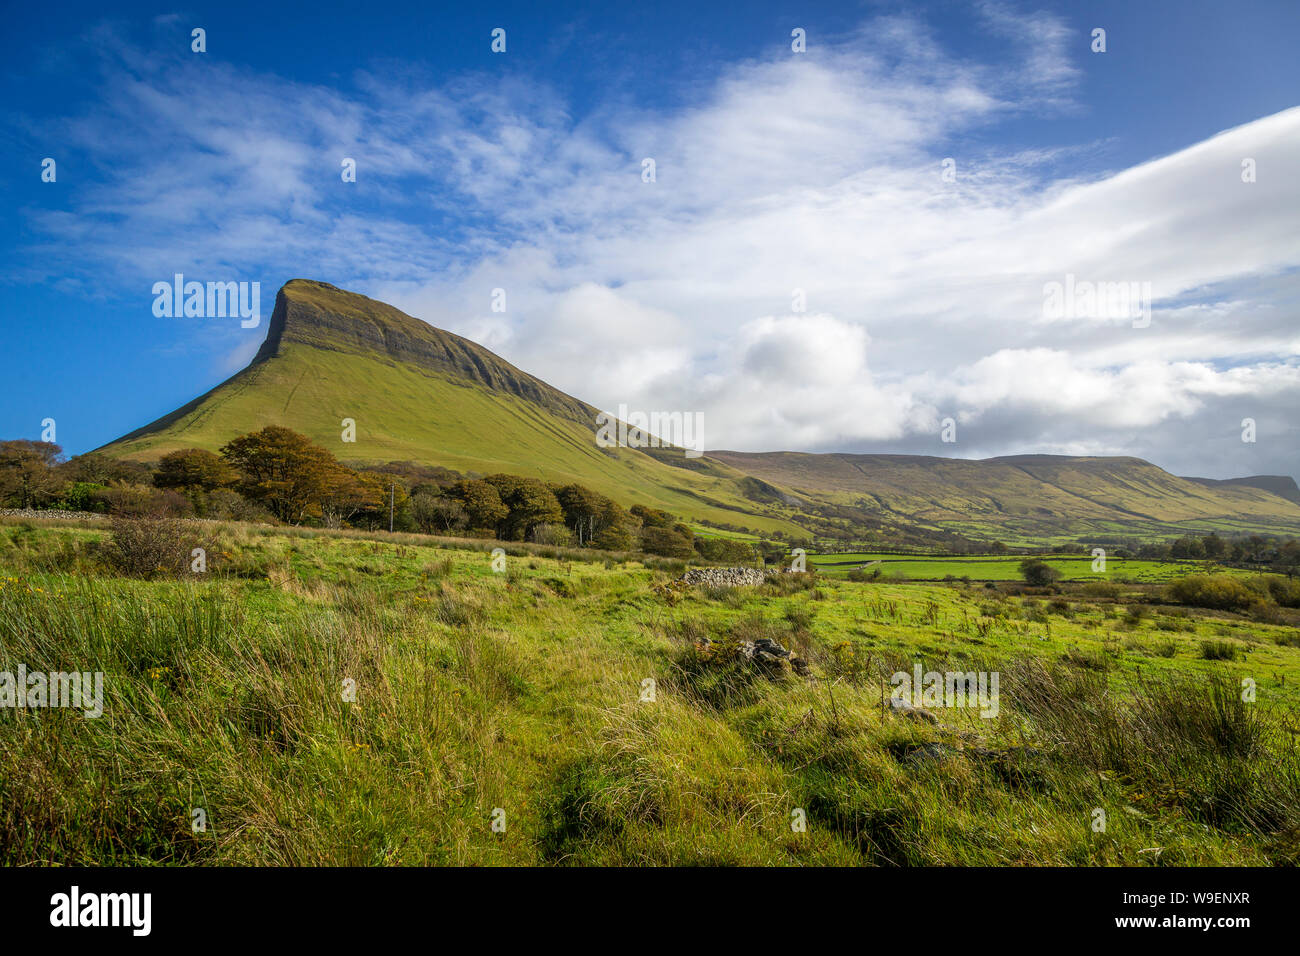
<point>51,513</point>
<point>932,752</point>
<point>767,647</point>
<point>904,709</point>
<point>725,577</point>
<point>766,653</point>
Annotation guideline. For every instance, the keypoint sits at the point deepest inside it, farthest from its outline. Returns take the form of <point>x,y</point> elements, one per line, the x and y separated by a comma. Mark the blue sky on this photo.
<point>775,171</point>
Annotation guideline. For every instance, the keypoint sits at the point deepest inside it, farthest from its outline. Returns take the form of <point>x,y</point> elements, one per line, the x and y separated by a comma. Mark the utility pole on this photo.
<point>392,489</point>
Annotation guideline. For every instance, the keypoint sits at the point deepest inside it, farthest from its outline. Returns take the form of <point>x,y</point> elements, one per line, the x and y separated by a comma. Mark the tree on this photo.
<point>666,542</point>
<point>284,471</point>
<point>348,495</point>
<point>436,513</point>
<point>96,468</point>
<point>194,468</point>
<point>1214,546</point>
<point>27,477</point>
<point>1038,572</point>
<point>530,503</point>
<point>481,503</point>
<point>384,496</point>
<point>1187,547</point>
<point>653,517</point>
<point>727,550</point>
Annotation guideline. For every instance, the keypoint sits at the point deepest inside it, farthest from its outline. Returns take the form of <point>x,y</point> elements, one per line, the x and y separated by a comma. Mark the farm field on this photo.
<point>1007,568</point>
<point>600,710</point>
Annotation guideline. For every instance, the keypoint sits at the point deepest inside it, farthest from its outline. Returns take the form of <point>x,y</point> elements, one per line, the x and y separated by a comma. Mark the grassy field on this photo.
<point>520,696</point>
<point>1006,568</point>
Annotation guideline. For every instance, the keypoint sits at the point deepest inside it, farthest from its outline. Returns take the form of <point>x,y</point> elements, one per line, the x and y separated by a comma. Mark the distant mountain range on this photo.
<point>417,393</point>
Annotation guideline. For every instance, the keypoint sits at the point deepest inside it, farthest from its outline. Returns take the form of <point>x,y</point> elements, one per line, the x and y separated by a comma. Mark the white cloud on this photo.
<point>819,172</point>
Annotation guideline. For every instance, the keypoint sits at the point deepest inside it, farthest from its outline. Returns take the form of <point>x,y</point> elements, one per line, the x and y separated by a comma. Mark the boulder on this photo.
<point>903,709</point>
<point>725,577</point>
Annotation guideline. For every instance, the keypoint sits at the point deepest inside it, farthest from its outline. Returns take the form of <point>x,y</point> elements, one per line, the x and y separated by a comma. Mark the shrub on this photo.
<point>1038,573</point>
<point>1060,606</point>
<point>1221,591</point>
<point>1285,591</point>
<point>1108,590</point>
<point>1218,651</point>
<point>223,504</point>
<point>148,547</point>
<point>551,534</point>
<point>790,582</point>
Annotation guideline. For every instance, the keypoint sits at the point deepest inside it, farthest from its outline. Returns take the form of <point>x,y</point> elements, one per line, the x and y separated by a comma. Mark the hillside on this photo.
<point>423,394</point>
<point>1283,486</point>
<point>418,393</point>
<point>1032,495</point>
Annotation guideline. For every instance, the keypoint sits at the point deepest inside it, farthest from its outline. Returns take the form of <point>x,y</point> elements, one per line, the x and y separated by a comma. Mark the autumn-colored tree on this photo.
<point>96,468</point>
<point>666,542</point>
<point>27,476</point>
<point>382,493</point>
<point>437,514</point>
<point>284,471</point>
<point>653,517</point>
<point>343,495</point>
<point>192,468</point>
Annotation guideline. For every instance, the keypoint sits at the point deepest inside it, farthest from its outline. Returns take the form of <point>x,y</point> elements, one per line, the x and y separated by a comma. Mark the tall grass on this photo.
<point>523,692</point>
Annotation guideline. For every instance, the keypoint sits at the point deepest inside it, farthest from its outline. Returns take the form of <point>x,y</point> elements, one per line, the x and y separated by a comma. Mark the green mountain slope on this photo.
<point>419,393</point>
<point>422,394</point>
<point>1030,496</point>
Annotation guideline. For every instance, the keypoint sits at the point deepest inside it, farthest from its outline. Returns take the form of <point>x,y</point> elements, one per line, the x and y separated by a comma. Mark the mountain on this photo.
<point>1037,497</point>
<point>417,393</point>
<point>1283,486</point>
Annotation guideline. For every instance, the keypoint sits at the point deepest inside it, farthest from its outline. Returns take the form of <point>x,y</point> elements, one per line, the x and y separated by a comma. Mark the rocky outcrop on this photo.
<point>48,513</point>
<point>725,577</point>
<point>766,653</point>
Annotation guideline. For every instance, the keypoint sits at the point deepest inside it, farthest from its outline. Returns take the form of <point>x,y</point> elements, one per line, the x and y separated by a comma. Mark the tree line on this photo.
<point>279,475</point>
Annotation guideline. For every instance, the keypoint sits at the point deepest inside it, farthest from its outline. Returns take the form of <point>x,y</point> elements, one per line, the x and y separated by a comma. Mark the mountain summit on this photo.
<point>418,393</point>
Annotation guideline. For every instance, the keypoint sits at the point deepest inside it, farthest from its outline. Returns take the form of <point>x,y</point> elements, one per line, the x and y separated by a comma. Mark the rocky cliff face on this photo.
<point>326,317</point>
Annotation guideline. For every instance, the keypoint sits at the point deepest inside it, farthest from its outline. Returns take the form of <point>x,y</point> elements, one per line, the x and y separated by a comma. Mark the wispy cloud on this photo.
<point>818,172</point>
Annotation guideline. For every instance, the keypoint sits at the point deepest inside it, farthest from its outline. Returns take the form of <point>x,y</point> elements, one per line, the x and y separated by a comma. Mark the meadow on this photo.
<point>917,567</point>
<point>373,699</point>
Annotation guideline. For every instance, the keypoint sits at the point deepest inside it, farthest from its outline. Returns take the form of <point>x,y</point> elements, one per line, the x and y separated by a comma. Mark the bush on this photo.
<point>148,547</point>
<point>1285,591</point>
<point>140,501</point>
<point>666,543</point>
<point>1038,573</point>
<point>1218,651</point>
<point>551,534</point>
<point>1101,589</point>
<point>223,504</point>
<point>1221,591</point>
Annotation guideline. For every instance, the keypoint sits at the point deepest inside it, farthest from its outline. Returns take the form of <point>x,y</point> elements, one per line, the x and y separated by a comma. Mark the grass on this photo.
<point>525,693</point>
<point>1002,568</point>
